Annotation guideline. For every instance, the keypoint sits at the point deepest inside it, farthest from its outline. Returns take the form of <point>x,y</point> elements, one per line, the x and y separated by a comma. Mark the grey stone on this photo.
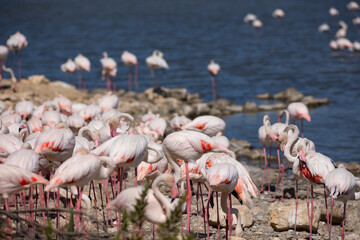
<point>250,107</point>
<point>289,95</point>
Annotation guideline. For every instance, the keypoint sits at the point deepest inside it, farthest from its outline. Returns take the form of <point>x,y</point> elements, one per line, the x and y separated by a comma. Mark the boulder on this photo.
<point>247,219</point>
<point>38,79</point>
<point>264,96</point>
<point>62,84</point>
<point>178,93</point>
<point>271,107</point>
<point>283,215</point>
<point>250,107</point>
<point>234,109</point>
<point>312,102</point>
<point>201,109</point>
<point>289,95</point>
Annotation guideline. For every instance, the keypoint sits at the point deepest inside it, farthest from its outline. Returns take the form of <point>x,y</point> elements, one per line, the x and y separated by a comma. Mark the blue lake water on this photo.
<point>284,53</point>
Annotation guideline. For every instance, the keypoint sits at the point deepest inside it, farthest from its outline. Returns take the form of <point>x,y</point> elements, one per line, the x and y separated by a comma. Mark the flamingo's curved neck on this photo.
<point>291,141</point>
<point>158,156</point>
<point>105,172</point>
<point>161,197</point>
<point>175,166</point>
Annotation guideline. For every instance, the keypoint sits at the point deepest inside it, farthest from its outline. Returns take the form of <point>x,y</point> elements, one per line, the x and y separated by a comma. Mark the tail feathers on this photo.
<point>37,179</point>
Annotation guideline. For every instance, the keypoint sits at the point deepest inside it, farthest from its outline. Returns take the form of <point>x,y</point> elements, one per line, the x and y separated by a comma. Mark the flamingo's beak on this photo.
<point>174,191</point>
<point>97,141</point>
<point>302,156</point>
<point>307,117</point>
<point>274,137</point>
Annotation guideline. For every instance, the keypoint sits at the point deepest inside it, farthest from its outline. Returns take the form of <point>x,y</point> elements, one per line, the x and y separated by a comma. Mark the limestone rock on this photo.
<point>250,107</point>
<point>201,108</point>
<point>289,95</point>
<point>178,93</point>
<point>312,102</point>
<point>38,79</point>
<point>234,108</point>
<point>247,218</point>
<point>283,216</point>
<point>271,107</point>
<point>264,96</point>
<point>62,84</point>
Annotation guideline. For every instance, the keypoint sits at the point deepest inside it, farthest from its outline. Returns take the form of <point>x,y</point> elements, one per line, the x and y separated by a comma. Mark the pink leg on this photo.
<point>8,219</point>
<point>197,211</point>
<point>312,211</point>
<point>102,204</point>
<point>19,64</point>
<point>307,199</point>
<point>217,214</point>
<point>302,128</point>
<point>135,76</point>
<point>129,80</point>
<point>79,79</point>
<point>343,223</point>
<point>296,203</point>
<point>230,216</point>
<point>207,214</point>
<point>213,87</point>
<point>268,170</point>
<point>203,207</point>
<point>331,215</point>
<point>326,207</point>
<point>279,173</point>
<point>42,198</point>
<point>265,171</point>
<point>95,201</point>
<point>188,197</point>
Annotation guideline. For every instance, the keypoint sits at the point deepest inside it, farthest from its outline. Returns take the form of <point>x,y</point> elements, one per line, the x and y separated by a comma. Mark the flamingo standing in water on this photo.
<point>82,63</point>
<point>299,111</point>
<point>4,51</point>
<point>17,42</point>
<point>109,69</point>
<point>333,11</point>
<point>68,67</point>
<point>278,13</point>
<point>129,59</point>
<point>188,146</point>
<point>340,184</point>
<point>213,68</point>
<point>154,62</point>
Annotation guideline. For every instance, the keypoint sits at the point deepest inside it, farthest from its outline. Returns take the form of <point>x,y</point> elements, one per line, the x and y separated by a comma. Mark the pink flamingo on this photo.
<point>108,102</point>
<point>213,68</point>
<point>17,42</point>
<point>79,170</point>
<point>109,69</point>
<point>8,145</point>
<point>82,63</point>
<point>158,125</point>
<point>64,104</point>
<point>278,13</point>
<point>340,184</point>
<point>24,109</point>
<point>188,146</point>
<point>299,111</point>
<point>223,178</point>
<point>3,56</point>
<point>154,211</point>
<point>314,167</point>
<point>154,62</point>
<point>208,124</point>
<point>129,60</point>
<point>178,121</point>
<point>55,144</point>
<point>68,67</point>
<point>51,118</point>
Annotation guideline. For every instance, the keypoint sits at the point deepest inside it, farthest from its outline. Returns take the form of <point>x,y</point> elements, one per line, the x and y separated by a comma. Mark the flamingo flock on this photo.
<point>58,149</point>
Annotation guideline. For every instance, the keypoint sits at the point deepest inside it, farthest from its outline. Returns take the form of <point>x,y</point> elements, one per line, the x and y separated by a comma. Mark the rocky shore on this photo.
<point>262,219</point>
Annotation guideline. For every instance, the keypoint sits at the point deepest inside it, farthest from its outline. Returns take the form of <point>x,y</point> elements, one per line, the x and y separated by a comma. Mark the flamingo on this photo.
<point>68,67</point>
<point>51,118</point>
<point>24,109</point>
<point>76,122</point>
<point>188,146</point>
<point>289,144</point>
<point>129,60</point>
<point>341,33</point>
<point>108,102</point>
<point>314,167</point>
<point>250,18</point>
<point>82,63</point>
<point>109,69</point>
<point>353,6</point>
<point>299,111</point>
<point>154,62</point>
<point>208,124</point>
<point>17,42</point>
<point>213,68</point>
<point>178,121</point>
<point>340,184</point>
<point>64,104</point>
<point>264,135</point>
<point>8,145</point>
<point>90,134</point>
<point>158,125</point>
<point>4,51</point>
<point>151,170</point>
<point>344,43</point>
<point>257,23</point>
<point>156,201</point>
<point>333,11</point>
<point>24,158</point>
<point>55,144</point>
<point>278,13</point>
<point>356,21</point>
<point>324,27</point>
<point>223,178</point>
<point>79,170</point>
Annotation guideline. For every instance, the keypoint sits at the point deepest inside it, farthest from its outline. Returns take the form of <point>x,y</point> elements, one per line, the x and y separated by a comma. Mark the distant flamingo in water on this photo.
<point>299,111</point>
<point>154,62</point>
<point>82,63</point>
<point>68,67</point>
<point>109,69</point>
<point>129,60</point>
<point>213,69</point>
<point>17,42</point>
<point>4,51</point>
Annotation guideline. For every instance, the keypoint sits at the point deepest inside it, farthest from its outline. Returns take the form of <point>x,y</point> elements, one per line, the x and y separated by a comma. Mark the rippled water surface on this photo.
<point>284,53</point>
